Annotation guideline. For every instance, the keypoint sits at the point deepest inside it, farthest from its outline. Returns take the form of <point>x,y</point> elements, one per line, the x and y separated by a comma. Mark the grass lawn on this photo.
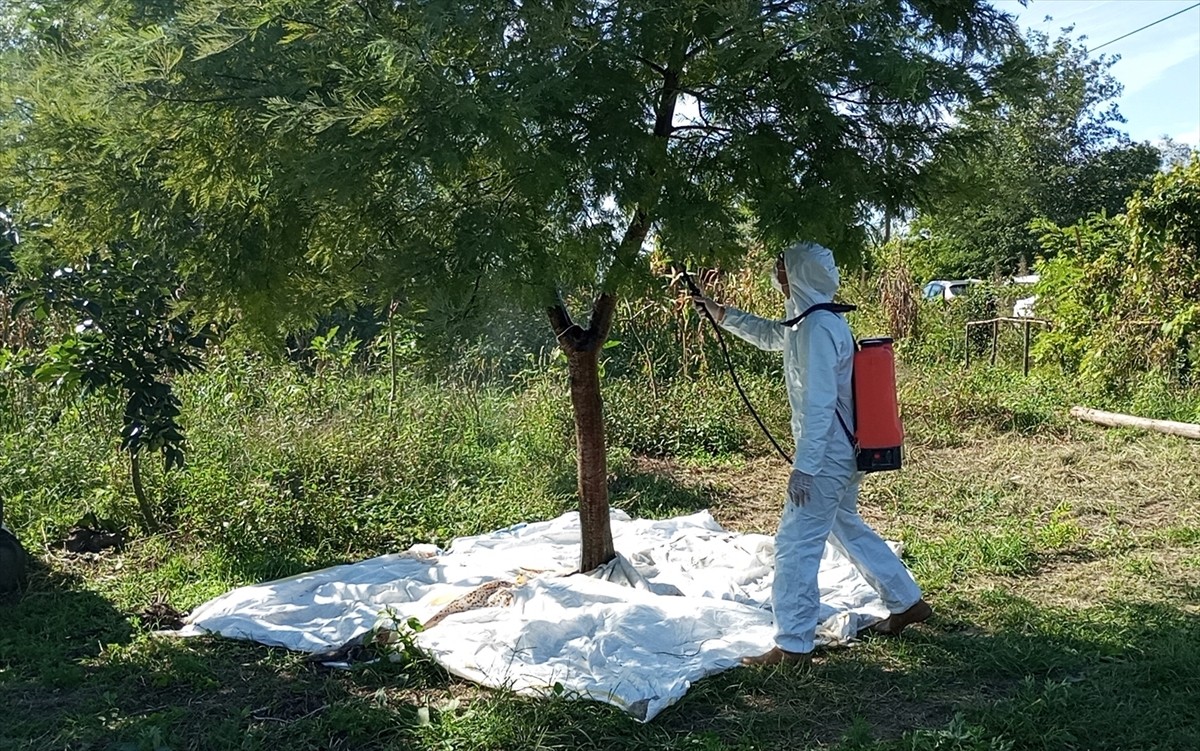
<point>1065,571</point>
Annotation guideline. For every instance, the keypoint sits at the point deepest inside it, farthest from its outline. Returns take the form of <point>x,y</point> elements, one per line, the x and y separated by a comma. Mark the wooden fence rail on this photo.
<point>995,324</point>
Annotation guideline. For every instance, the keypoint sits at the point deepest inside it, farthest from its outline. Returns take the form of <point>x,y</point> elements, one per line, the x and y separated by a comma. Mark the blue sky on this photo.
<point>1159,67</point>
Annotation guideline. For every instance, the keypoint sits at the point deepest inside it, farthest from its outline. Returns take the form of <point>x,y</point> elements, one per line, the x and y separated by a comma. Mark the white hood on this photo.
<point>812,275</point>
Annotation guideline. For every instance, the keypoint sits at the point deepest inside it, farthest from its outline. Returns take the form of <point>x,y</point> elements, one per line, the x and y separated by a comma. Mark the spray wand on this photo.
<point>687,279</point>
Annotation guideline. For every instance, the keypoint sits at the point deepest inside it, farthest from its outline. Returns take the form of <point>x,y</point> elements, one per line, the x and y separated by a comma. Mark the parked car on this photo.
<point>948,289</point>
<point>1023,307</point>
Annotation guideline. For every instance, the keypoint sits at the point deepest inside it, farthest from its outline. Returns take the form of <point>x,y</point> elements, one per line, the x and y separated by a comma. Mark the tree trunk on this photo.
<point>14,562</point>
<point>135,474</point>
<point>1117,420</point>
<point>391,357</point>
<point>583,347</point>
<point>592,460</point>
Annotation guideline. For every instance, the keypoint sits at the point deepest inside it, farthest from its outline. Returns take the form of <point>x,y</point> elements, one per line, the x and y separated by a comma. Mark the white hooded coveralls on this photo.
<point>818,358</point>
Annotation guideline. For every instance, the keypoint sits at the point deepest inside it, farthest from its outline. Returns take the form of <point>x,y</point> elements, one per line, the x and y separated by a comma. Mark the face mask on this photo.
<point>775,282</point>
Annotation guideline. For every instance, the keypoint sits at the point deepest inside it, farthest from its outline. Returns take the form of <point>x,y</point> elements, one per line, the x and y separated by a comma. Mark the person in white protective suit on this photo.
<point>822,494</point>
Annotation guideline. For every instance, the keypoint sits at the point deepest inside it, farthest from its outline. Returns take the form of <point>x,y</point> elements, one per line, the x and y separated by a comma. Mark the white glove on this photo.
<point>799,487</point>
<point>716,310</point>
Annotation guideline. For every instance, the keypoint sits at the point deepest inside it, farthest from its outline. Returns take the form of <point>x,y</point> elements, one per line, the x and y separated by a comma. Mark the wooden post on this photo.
<point>1027,348</point>
<point>995,339</point>
<point>995,324</point>
<point>1116,420</point>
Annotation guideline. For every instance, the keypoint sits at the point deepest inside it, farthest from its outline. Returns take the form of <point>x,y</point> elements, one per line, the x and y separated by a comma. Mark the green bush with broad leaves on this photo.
<point>124,336</point>
<point>1124,291</point>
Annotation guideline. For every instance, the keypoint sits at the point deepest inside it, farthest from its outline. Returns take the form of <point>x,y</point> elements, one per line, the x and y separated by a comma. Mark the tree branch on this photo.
<point>651,65</point>
<point>231,77</point>
<point>303,22</point>
<point>602,319</point>
<point>665,112</point>
<point>704,127</point>
<point>706,43</point>
<point>205,100</point>
<point>570,336</point>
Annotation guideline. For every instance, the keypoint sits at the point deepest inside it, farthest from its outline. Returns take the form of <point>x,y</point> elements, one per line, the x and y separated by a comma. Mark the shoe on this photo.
<point>897,622</point>
<point>779,656</point>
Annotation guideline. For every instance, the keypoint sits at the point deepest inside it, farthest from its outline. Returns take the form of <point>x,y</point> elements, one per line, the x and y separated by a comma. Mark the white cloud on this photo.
<point>1141,68</point>
<point>1191,136</point>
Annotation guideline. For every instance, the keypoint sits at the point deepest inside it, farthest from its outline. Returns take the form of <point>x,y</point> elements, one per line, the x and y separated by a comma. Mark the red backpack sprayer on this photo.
<point>879,435</point>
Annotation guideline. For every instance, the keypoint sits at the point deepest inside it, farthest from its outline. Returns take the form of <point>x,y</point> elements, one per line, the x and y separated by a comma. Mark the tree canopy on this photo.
<point>1054,151</point>
<point>439,156</point>
<point>290,151</point>
<point>1124,291</point>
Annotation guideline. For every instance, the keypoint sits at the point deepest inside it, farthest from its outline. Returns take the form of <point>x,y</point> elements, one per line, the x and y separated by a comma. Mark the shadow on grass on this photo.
<point>995,672</point>
<point>255,566</point>
<point>77,673</point>
<point>1014,673</point>
<point>649,493</point>
<point>645,493</point>
<point>55,624</point>
<point>1122,676</point>
<point>992,671</point>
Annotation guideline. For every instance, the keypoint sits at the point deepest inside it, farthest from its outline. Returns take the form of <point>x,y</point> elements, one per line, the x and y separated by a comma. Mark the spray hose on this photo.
<point>733,371</point>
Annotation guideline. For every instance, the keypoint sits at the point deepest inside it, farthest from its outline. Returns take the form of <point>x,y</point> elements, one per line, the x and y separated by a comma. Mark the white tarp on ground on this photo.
<point>684,599</point>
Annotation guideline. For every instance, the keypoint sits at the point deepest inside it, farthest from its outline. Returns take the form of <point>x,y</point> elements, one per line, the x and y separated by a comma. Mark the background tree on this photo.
<point>128,339</point>
<point>1053,151</point>
<point>286,156</point>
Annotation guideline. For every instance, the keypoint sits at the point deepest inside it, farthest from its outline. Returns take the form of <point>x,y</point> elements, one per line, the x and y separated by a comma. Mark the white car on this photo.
<point>1023,308</point>
<point>948,289</point>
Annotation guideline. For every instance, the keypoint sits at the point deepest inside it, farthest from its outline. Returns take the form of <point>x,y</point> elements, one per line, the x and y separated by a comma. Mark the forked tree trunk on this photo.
<point>583,347</point>
<point>592,459</point>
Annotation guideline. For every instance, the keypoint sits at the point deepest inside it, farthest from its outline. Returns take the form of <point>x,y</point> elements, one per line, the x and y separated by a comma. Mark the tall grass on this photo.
<point>317,461</point>
<point>295,465</point>
<point>317,457</point>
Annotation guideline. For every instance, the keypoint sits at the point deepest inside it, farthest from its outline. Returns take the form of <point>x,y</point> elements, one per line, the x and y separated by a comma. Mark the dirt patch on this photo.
<point>748,495</point>
<point>1105,487</point>
<point>159,614</point>
<point>82,540</point>
<point>1107,519</point>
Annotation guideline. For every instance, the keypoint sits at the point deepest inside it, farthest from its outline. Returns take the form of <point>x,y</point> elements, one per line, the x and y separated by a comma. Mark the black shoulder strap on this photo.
<point>832,307</point>
<point>847,430</point>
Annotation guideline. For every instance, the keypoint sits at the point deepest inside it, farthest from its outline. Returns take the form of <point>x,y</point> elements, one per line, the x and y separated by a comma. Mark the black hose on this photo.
<point>733,371</point>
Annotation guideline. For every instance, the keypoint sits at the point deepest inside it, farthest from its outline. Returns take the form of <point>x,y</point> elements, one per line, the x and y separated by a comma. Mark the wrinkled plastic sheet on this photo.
<point>684,599</point>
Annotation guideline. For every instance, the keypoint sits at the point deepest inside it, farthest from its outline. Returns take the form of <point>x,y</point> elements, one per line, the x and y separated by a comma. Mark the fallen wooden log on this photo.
<point>1116,420</point>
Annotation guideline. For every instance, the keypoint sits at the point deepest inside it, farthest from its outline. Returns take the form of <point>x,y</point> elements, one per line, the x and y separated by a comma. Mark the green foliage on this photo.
<point>304,468</point>
<point>310,463</point>
<point>441,156</point>
<point>446,160</point>
<point>127,337</point>
<point>1123,291</point>
<point>1053,151</point>
<point>687,417</point>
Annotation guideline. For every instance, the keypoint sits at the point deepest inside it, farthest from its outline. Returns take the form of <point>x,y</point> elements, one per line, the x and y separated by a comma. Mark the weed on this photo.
<point>1061,559</point>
